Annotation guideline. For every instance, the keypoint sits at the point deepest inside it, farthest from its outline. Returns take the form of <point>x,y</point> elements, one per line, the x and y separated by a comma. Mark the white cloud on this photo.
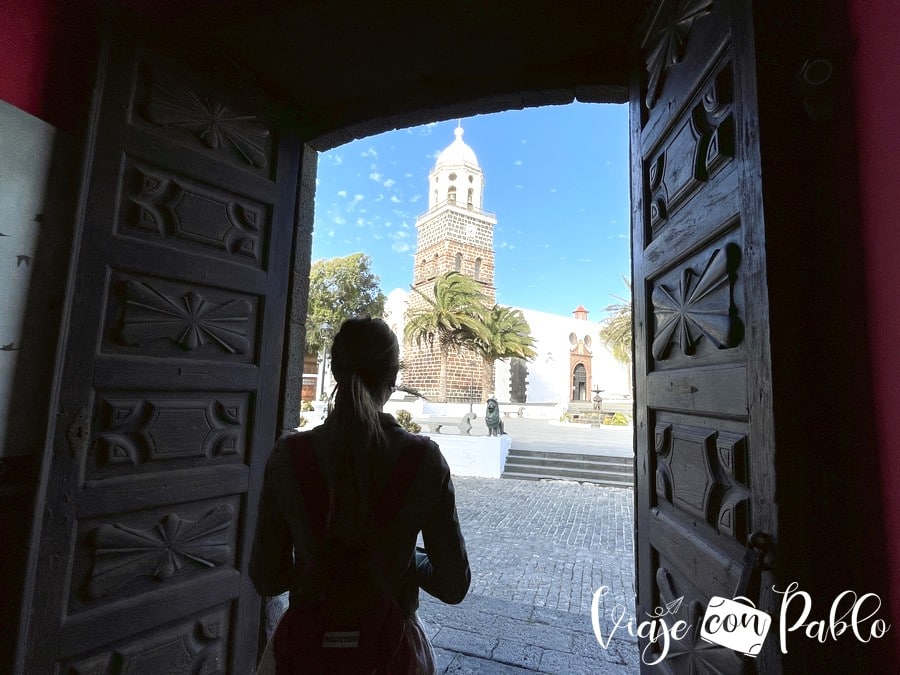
<point>400,247</point>
<point>518,162</point>
<point>339,220</point>
<point>546,245</point>
<point>371,152</point>
<point>396,199</point>
<point>415,198</point>
<point>623,236</point>
<point>407,175</point>
<point>377,236</point>
<point>427,129</point>
<point>342,193</point>
<point>584,260</point>
<point>552,189</point>
<point>378,198</point>
<point>335,158</point>
<point>330,233</point>
<point>375,176</point>
<point>519,187</point>
<point>389,182</point>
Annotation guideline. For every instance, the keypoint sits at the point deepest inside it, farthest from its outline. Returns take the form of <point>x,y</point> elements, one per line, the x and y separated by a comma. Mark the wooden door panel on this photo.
<point>704,451</point>
<point>170,384</point>
<point>690,168</point>
<point>196,645</point>
<point>166,208</point>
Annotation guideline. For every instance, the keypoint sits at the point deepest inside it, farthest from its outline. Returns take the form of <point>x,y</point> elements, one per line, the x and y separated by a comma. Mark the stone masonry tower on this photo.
<point>454,234</point>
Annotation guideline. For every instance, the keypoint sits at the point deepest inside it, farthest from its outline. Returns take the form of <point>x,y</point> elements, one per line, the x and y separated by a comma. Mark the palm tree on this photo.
<point>616,331</point>
<point>507,335</point>
<point>453,316</point>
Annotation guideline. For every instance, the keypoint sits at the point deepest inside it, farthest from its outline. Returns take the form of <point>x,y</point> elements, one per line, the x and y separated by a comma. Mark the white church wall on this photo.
<point>548,373</point>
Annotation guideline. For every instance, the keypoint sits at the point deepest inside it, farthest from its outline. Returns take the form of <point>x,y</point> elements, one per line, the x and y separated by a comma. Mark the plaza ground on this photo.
<point>538,551</point>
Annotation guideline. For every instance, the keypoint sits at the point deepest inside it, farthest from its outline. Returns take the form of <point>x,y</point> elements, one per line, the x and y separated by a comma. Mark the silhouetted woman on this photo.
<point>341,508</point>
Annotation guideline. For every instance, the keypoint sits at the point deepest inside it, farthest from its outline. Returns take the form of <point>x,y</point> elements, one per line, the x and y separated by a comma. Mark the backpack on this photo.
<point>345,621</point>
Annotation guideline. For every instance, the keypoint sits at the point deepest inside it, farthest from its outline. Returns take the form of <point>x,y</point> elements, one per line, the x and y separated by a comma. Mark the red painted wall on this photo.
<point>876,75</point>
<point>46,53</point>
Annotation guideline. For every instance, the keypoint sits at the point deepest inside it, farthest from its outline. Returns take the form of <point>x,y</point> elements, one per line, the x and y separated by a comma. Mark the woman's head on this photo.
<point>366,348</point>
<point>365,358</point>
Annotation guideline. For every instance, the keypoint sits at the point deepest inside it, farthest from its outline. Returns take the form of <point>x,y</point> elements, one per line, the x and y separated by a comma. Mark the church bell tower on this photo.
<point>455,234</point>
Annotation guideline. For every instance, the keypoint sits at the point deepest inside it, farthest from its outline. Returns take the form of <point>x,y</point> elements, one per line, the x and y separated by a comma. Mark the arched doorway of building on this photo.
<point>579,383</point>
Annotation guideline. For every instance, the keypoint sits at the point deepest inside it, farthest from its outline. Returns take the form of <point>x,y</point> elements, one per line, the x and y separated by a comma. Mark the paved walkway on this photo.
<point>538,550</point>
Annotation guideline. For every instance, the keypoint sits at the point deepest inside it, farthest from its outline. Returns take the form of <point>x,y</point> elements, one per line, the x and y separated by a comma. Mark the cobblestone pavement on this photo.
<point>538,551</point>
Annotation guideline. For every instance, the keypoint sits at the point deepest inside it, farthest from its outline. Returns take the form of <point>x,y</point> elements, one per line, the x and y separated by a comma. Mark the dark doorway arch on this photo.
<point>579,383</point>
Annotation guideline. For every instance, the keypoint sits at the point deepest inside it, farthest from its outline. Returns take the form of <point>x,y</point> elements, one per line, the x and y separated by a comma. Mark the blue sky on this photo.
<point>556,177</point>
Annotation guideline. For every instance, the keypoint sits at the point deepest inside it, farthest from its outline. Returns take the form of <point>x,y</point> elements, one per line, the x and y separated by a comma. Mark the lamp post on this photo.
<point>325,332</point>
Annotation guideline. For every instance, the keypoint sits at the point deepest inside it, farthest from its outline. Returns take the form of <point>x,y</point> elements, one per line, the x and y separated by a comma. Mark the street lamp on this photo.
<point>324,332</point>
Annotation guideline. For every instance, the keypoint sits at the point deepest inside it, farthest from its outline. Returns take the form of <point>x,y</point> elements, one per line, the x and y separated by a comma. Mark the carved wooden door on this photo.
<point>168,388</point>
<point>705,478</point>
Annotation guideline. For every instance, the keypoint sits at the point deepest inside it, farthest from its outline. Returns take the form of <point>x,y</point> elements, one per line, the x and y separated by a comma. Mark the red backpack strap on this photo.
<point>391,498</point>
<point>313,489</point>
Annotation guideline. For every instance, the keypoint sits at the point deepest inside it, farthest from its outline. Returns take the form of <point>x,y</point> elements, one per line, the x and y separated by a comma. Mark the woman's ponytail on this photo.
<point>364,360</point>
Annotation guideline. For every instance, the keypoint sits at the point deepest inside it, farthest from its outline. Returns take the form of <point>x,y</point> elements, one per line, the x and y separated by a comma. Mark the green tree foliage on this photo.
<point>453,315</point>
<point>405,420</point>
<point>339,289</point>
<point>507,335</point>
<point>616,330</point>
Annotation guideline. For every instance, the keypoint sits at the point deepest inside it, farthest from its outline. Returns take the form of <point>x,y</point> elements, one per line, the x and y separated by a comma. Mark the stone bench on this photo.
<point>509,411</point>
<point>436,424</point>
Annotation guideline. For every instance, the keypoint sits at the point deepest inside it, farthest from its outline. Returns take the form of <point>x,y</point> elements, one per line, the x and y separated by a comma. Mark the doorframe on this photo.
<point>797,316</point>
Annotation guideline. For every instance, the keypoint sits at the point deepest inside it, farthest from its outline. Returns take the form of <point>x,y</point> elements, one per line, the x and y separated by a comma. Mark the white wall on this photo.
<point>548,373</point>
<point>37,179</point>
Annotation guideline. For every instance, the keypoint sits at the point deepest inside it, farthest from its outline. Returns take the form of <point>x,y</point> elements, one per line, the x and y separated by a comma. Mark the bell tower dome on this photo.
<point>456,177</point>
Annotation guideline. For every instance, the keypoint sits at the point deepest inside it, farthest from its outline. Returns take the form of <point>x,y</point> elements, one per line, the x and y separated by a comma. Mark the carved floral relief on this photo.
<point>172,104</point>
<point>699,307</point>
<point>667,37</point>
<point>189,320</point>
<point>122,553</point>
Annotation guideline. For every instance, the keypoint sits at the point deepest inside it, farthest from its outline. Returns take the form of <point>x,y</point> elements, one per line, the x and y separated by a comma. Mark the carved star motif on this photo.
<point>700,306</point>
<point>668,35</point>
<point>123,553</point>
<point>174,105</point>
<point>191,320</point>
<point>693,655</point>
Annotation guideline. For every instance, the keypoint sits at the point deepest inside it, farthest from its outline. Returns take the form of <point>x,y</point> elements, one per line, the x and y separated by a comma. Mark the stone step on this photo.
<point>607,482</point>
<point>568,473</point>
<point>519,463</point>
<point>537,465</point>
<point>569,456</point>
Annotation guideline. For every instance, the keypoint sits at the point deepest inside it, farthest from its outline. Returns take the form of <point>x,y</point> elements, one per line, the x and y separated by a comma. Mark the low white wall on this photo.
<point>483,456</point>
